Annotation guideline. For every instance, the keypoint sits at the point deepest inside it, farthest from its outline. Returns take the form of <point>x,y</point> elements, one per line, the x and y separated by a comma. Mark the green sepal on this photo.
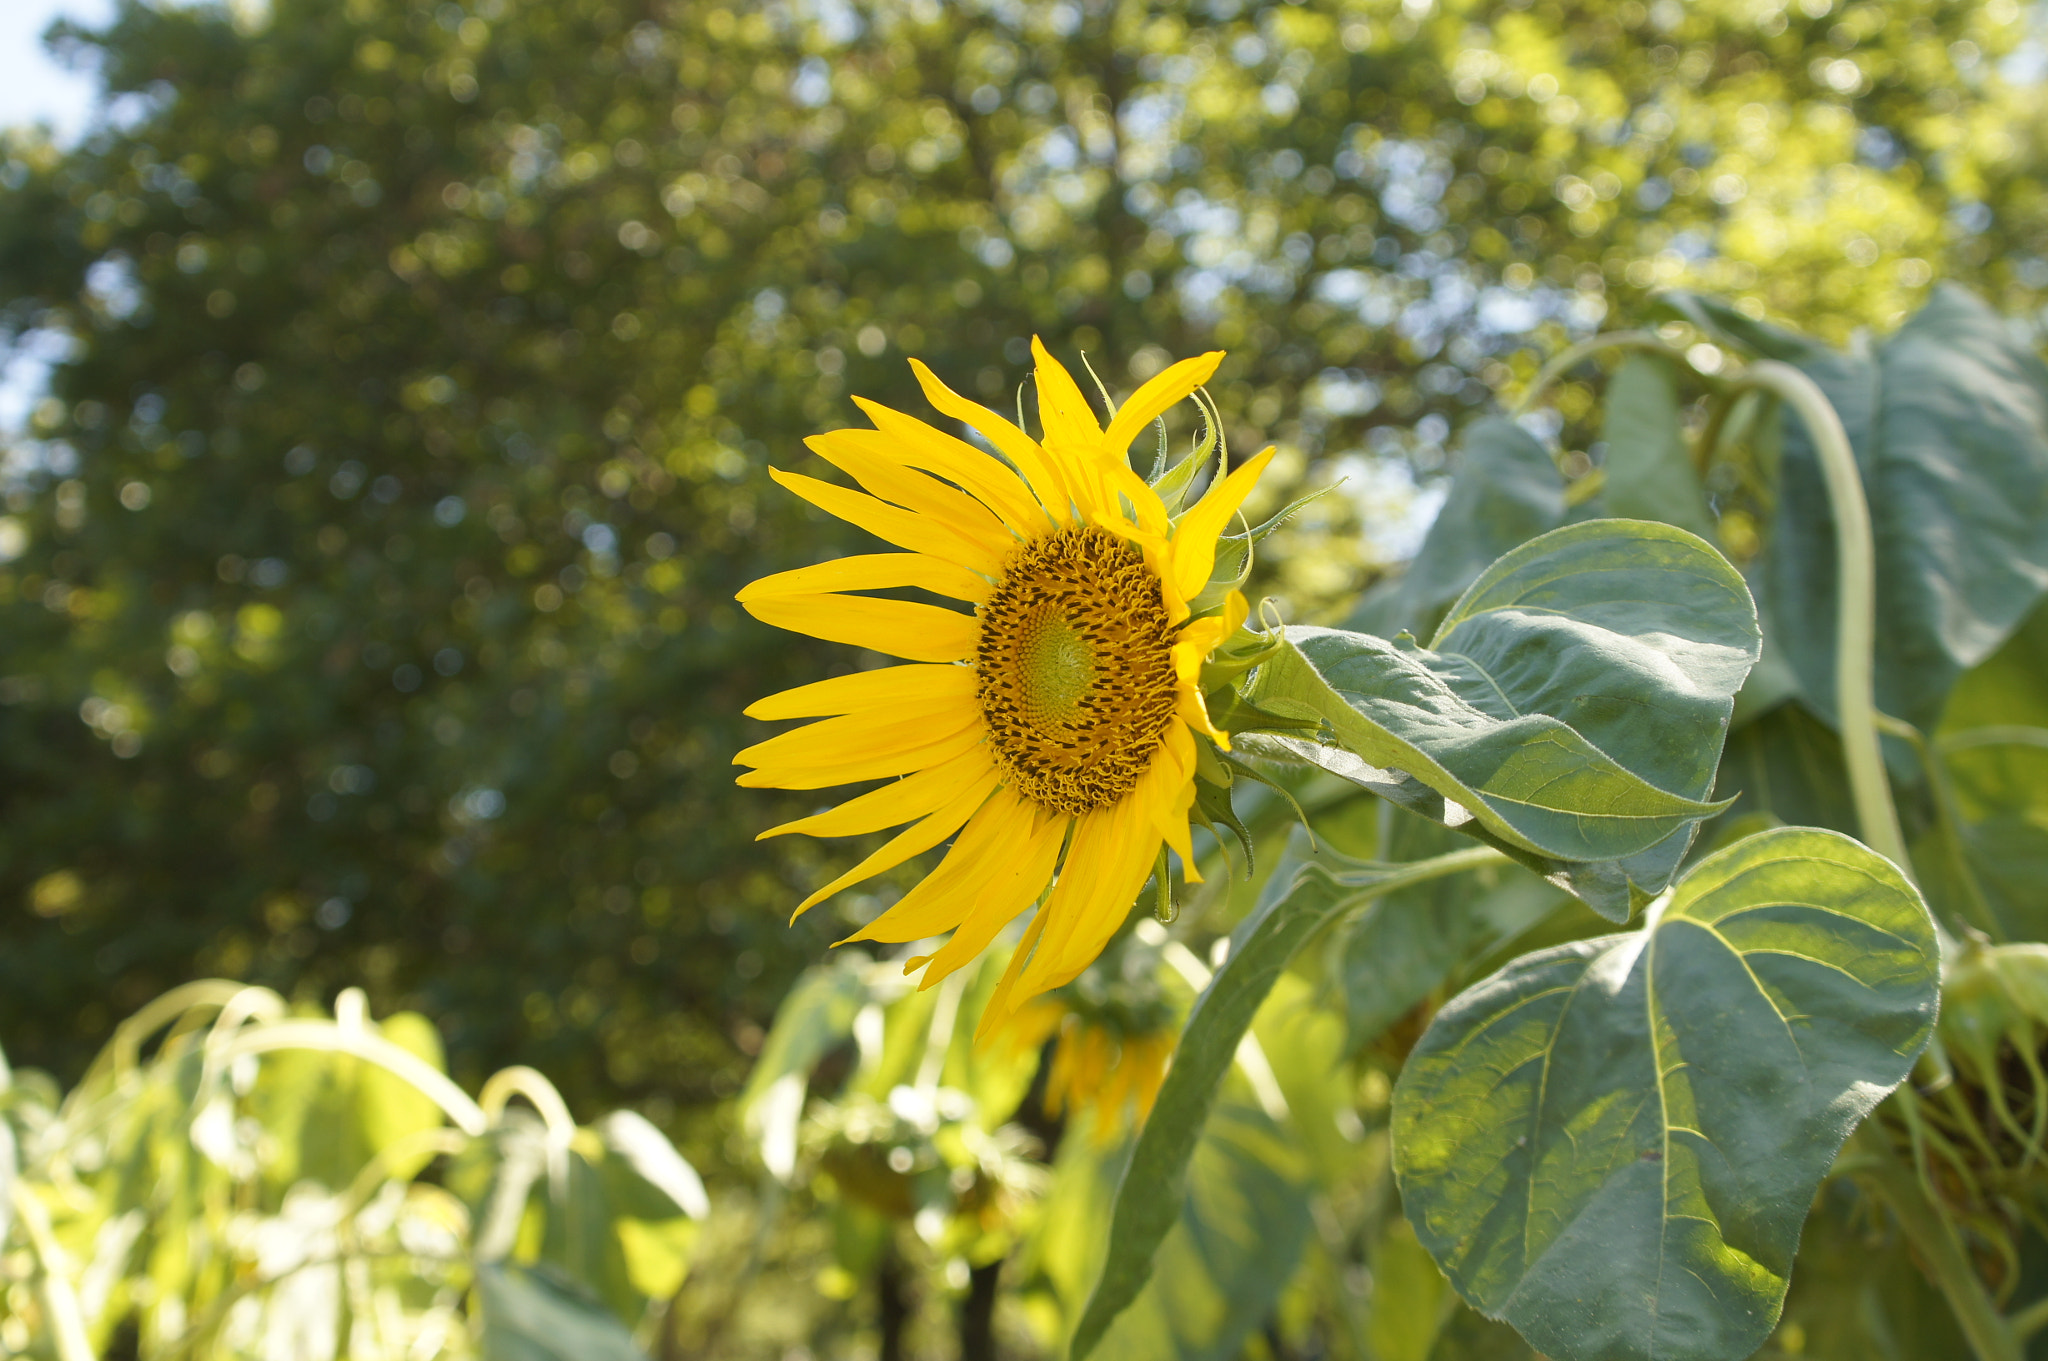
<point>1212,805</point>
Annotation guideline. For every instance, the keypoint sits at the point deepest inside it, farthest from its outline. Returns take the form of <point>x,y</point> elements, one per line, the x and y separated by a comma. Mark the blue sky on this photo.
<point>34,87</point>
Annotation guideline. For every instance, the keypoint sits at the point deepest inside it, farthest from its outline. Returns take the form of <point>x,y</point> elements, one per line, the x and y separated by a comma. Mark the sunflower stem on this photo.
<point>1855,607</point>
<point>1572,356</point>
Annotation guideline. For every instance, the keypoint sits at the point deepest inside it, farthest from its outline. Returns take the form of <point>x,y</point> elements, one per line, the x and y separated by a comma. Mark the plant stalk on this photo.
<point>1991,1336</point>
<point>1855,607</point>
<point>1574,355</point>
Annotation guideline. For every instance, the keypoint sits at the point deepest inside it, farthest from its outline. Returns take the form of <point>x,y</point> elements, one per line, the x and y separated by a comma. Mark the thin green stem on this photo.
<point>53,1278</point>
<point>1573,355</point>
<point>1991,1336</point>
<point>1410,873</point>
<point>1856,607</point>
<point>2030,1320</point>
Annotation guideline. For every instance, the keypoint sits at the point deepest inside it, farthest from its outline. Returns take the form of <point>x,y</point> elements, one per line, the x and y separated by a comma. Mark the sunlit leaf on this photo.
<point>1571,705</point>
<point>1612,1144</point>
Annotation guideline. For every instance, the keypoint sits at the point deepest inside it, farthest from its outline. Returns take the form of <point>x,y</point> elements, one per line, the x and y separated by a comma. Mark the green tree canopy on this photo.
<point>369,606</point>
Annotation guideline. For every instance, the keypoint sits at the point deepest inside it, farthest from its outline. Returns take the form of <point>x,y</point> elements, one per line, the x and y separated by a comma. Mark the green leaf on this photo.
<point>1999,780</point>
<point>1650,473</point>
<point>1300,900</point>
<point>1571,706</point>
<point>1612,1144</point>
<point>530,1315</point>
<point>645,1176</point>
<point>813,1019</point>
<point>1949,421</point>
<point>1410,1296</point>
<point>2006,689</point>
<point>326,1115</point>
<point>1507,491</point>
<point>1242,1225</point>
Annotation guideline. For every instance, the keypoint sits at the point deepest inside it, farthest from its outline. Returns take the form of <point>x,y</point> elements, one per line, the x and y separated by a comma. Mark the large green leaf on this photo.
<point>2008,688</point>
<point>1612,1144</point>
<point>1998,778</point>
<point>1300,900</point>
<point>1650,473</point>
<point>1570,708</point>
<point>1949,421</point>
<point>1506,491</point>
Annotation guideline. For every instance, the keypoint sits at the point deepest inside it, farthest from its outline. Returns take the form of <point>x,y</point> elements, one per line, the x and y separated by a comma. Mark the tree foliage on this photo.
<point>367,592</point>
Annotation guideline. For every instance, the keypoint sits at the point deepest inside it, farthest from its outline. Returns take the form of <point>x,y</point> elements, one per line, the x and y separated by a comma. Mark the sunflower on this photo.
<point>1052,731</point>
<point>1106,1062</point>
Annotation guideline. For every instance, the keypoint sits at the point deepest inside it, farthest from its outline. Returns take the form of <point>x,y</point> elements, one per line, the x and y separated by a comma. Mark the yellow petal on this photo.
<point>1119,481</point>
<point>1202,636</point>
<point>1073,439</point>
<point>1175,794</point>
<point>1024,452</point>
<point>904,528</point>
<point>854,738</point>
<point>901,628</point>
<point>988,479</point>
<point>1160,393</point>
<point>1192,710</point>
<point>1005,894</point>
<point>1001,840</point>
<point>873,572</point>
<point>1194,538</point>
<point>1113,850</point>
<point>996,1014</point>
<point>916,839</point>
<point>1062,406</point>
<point>887,688</point>
<point>849,451</point>
<point>917,755</point>
<point>913,796</point>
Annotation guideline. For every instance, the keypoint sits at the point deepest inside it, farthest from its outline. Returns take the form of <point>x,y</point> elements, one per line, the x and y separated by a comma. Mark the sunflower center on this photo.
<point>1076,669</point>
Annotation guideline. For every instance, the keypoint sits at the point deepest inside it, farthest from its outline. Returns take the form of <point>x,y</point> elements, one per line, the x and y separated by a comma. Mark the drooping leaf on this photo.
<point>328,1114</point>
<point>1650,473</point>
<point>1949,422</point>
<point>533,1315</point>
<point>652,1180</point>
<point>1612,1144</point>
<point>1506,491</point>
<point>1571,705</point>
<point>1302,898</point>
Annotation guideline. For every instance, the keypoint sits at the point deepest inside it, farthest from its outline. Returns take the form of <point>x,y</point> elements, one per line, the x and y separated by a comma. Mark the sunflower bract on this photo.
<point>1050,734</point>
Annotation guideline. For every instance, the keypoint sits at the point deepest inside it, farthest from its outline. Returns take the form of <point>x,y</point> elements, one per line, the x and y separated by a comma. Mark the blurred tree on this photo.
<point>425,359</point>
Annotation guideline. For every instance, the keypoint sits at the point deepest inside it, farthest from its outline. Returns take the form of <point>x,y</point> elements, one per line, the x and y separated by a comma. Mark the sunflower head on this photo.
<point>1049,728</point>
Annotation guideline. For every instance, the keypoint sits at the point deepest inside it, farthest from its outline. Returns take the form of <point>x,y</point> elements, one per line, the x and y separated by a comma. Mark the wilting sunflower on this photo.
<point>1107,1063</point>
<point>1053,729</point>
